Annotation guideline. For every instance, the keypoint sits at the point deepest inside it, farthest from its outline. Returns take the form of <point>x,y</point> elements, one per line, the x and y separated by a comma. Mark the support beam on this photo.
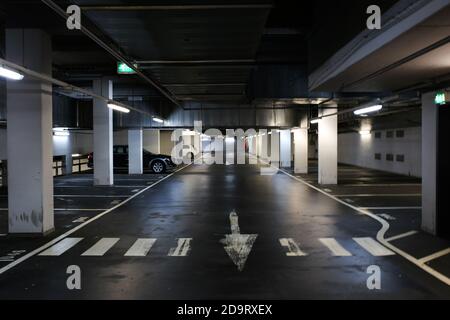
<point>328,148</point>
<point>29,136</point>
<point>103,134</point>
<point>285,148</point>
<point>301,150</point>
<point>135,165</point>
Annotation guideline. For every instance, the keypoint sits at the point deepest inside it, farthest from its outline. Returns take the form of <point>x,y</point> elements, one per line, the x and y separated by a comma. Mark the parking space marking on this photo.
<point>379,184</point>
<point>98,216</point>
<point>80,209</point>
<point>402,235</point>
<point>80,219</point>
<point>335,247</point>
<point>90,196</point>
<point>141,247</point>
<point>101,187</point>
<point>373,247</point>
<point>390,208</point>
<point>182,248</point>
<point>61,247</point>
<point>435,255</point>
<point>293,248</point>
<point>101,247</point>
<point>380,195</point>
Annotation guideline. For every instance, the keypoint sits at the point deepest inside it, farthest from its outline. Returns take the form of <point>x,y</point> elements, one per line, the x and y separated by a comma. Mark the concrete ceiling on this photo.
<point>415,59</point>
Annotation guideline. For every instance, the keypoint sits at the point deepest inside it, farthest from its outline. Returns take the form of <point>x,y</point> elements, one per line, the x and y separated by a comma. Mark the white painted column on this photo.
<point>301,150</point>
<point>29,135</point>
<point>103,134</point>
<point>264,150</point>
<point>274,140</point>
<point>135,165</point>
<point>285,148</point>
<point>328,144</point>
<point>429,162</point>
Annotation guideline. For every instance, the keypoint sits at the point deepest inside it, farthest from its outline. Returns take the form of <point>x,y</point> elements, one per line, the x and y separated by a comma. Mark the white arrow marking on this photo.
<point>237,245</point>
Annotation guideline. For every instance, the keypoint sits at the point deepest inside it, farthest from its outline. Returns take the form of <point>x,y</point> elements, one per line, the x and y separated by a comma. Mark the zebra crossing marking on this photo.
<point>293,247</point>
<point>60,247</point>
<point>182,248</point>
<point>335,248</point>
<point>101,247</point>
<point>373,247</point>
<point>141,247</point>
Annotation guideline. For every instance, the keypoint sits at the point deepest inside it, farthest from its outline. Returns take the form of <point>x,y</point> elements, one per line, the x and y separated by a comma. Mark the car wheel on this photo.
<point>158,166</point>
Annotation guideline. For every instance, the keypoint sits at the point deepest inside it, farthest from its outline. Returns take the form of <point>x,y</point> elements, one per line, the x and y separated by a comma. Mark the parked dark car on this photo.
<point>157,163</point>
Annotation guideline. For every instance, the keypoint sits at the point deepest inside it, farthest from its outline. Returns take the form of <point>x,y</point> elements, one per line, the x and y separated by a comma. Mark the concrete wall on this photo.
<point>360,150</point>
<point>150,139</point>
<point>166,144</point>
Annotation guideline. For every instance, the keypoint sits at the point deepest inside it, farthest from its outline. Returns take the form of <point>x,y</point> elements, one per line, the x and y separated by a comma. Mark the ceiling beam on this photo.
<point>119,56</point>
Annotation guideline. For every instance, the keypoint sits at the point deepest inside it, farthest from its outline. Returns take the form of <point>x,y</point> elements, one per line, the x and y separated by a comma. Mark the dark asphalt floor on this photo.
<point>195,204</point>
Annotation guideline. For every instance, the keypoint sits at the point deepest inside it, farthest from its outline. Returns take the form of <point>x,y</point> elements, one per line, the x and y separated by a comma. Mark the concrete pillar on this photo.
<point>135,165</point>
<point>274,140</point>
<point>103,134</point>
<point>285,148</point>
<point>301,150</point>
<point>328,148</point>
<point>264,150</point>
<point>429,162</point>
<point>29,135</point>
<point>69,164</point>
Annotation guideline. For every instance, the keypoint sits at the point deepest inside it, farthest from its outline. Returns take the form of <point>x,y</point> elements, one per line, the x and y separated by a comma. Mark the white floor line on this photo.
<point>373,247</point>
<point>435,255</point>
<point>380,234</point>
<point>64,235</point>
<point>402,235</point>
<point>70,209</point>
<point>100,247</point>
<point>106,187</point>
<point>380,195</point>
<point>90,196</point>
<point>61,247</point>
<point>80,209</point>
<point>140,248</point>
<point>390,208</point>
<point>335,247</point>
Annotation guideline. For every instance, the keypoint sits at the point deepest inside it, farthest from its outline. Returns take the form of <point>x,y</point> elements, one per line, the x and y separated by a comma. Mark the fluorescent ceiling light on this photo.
<point>315,120</point>
<point>60,129</point>
<point>364,132</point>
<point>368,109</point>
<point>156,119</point>
<point>61,133</point>
<point>118,108</point>
<point>10,74</point>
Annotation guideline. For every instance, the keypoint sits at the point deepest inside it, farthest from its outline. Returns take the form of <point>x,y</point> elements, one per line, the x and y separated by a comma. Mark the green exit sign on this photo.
<point>440,98</point>
<point>123,68</point>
